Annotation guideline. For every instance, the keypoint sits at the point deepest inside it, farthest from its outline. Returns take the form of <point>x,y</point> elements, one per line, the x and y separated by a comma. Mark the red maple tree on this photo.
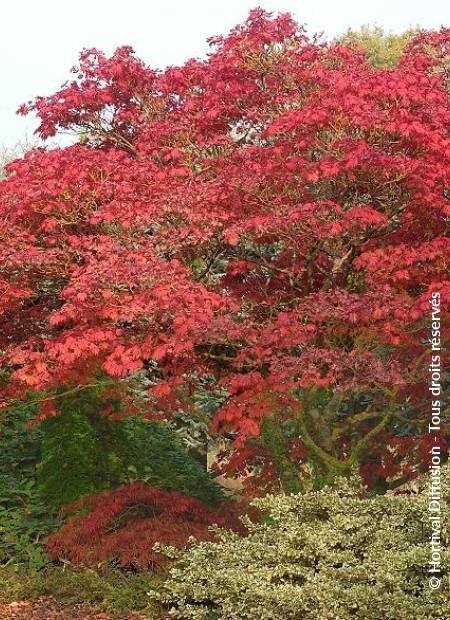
<point>274,217</point>
<point>124,525</point>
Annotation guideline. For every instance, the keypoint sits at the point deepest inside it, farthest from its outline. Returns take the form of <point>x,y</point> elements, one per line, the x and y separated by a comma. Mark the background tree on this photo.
<point>383,49</point>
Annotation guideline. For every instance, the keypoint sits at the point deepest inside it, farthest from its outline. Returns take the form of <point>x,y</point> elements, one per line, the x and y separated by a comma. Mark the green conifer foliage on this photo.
<point>84,451</point>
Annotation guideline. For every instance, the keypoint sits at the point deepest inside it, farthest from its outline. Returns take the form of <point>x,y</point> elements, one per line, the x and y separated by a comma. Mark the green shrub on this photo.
<point>157,456</point>
<point>325,555</point>
<point>25,521</point>
<point>74,455</point>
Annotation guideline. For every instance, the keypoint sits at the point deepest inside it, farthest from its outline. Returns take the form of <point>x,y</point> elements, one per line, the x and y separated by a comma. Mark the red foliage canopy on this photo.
<point>275,216</point>
<point>124,525</point>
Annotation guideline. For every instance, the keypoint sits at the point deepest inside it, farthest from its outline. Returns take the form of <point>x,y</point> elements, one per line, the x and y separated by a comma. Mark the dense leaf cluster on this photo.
<point>326,555</point>
<point>76,454</point>
<point>125,524</point>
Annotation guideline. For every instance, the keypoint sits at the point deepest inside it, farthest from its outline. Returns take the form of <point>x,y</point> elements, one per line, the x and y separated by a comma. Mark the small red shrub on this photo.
<point>125,524</point>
